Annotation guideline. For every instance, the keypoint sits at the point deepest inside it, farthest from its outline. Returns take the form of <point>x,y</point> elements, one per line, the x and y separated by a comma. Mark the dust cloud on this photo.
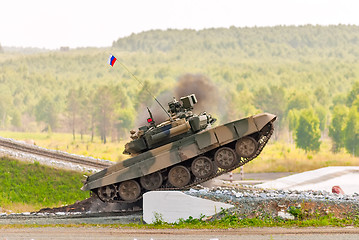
<point>200,85</point>
<point>205,91</point>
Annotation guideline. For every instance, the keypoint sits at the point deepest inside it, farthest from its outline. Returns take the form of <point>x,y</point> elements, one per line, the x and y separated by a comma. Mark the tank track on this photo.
<point>263,140</point>
<point>265,135</point>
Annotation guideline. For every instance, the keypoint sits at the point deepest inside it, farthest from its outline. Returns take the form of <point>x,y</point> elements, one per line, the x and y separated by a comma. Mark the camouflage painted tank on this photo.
<point>181,152</point>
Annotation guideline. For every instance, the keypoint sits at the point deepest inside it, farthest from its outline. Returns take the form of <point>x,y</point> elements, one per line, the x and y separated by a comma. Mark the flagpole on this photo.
<point>134,77</point>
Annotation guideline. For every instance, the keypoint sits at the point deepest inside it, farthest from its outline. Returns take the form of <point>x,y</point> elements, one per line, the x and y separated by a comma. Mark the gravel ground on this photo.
<point>254,202</point>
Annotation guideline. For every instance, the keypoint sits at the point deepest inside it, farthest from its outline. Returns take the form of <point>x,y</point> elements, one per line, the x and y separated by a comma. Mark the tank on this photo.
<point>181,152</point>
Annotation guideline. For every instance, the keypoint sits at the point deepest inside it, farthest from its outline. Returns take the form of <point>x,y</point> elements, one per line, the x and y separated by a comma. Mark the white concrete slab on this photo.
<point>170,206</point>
<point>320,179</point>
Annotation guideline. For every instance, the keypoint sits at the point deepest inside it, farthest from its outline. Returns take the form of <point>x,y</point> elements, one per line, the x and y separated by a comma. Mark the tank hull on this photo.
<point>182,152</point>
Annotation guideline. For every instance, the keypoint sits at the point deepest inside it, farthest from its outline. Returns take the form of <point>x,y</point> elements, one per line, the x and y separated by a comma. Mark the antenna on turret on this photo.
<point>112,61</point>
<point>150,120</point>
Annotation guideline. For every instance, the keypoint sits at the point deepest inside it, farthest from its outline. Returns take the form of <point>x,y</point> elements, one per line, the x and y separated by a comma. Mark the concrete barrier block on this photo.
<point>170,206</point>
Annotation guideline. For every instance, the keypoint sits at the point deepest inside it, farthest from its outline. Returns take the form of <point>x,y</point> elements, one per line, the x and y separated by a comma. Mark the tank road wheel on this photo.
<point>246,147</point>
<point>179,176</point>
<point>151,181</point>
<point>202,167</point>
<point>107,193</point>
<point>129,190</point>
<point>225,158</point>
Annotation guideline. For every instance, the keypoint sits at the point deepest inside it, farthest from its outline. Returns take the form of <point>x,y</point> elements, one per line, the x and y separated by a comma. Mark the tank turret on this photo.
<point>182,123</point>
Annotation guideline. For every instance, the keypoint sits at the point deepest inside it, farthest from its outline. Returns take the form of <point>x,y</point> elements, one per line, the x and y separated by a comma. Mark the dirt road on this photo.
<point>92,233</point>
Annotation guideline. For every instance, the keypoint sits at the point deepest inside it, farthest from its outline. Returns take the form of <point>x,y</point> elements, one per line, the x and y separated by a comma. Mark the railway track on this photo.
<point>124,217</point>
<point>21,147</point>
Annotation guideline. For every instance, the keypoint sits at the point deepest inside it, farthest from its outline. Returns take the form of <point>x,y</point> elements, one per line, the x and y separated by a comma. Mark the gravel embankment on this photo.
<point>254,202</point>
<point>48,161</point>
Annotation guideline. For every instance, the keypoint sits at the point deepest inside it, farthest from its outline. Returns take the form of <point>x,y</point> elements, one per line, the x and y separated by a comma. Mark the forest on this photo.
<point>307,75</point>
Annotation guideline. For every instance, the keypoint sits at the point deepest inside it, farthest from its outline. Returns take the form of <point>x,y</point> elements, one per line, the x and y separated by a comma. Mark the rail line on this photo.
<point>124,217</point>
<point>53,154</point>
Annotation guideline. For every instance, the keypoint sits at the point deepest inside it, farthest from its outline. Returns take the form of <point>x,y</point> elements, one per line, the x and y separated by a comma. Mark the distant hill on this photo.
<point>27,50</point>
<point>256,42</point>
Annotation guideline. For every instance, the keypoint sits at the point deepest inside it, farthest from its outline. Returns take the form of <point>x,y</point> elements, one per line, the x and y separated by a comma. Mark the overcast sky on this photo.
<point>83,23</point>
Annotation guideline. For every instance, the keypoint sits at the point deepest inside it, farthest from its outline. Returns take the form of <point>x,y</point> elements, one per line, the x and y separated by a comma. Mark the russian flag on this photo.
<point>111,60</point>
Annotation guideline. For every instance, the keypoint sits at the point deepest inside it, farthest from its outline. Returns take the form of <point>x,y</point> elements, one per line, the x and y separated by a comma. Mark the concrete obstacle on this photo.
<point>170,206</point>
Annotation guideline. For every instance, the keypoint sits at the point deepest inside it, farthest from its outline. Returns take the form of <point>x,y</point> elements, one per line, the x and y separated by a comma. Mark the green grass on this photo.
<point>31,186</point>
<point>234,222</point>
